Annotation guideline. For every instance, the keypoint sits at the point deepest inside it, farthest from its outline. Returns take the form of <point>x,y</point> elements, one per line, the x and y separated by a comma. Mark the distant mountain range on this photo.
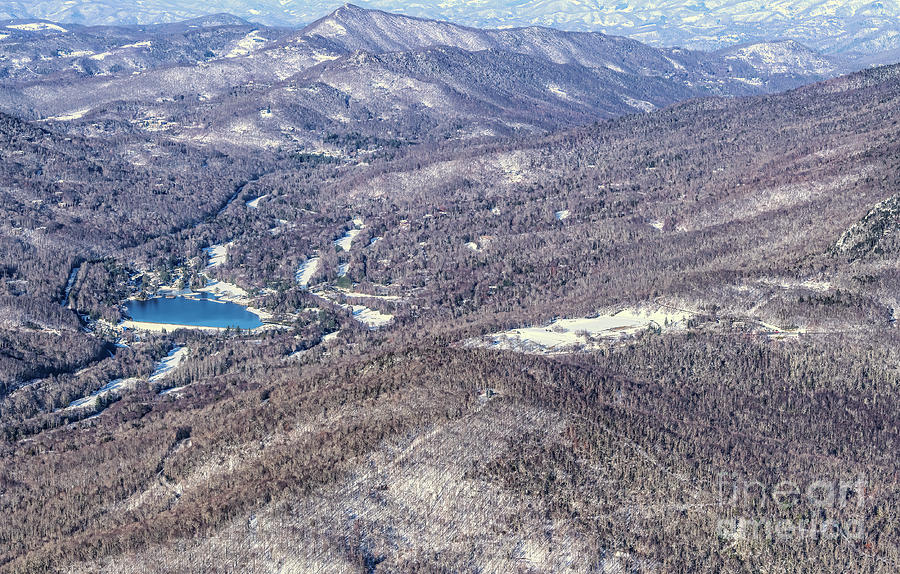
<point>220,79</point>
<point>852,26</point>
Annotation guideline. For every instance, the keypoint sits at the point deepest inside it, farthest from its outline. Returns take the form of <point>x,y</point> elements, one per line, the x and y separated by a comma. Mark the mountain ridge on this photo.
<point>856,26</point>
<point>422,79</point>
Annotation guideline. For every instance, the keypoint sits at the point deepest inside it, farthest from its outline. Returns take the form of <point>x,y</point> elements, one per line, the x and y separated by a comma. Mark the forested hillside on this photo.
<point>662,341</point>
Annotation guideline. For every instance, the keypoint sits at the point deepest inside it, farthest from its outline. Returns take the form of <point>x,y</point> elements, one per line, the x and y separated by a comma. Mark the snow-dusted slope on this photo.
<point>780,57</point>
<point>851,25</point>
<point>270,88</point>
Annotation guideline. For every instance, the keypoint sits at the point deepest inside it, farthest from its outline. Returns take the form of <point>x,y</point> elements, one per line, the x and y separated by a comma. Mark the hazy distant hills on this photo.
<point>220,80</point>
<point>862,26</point>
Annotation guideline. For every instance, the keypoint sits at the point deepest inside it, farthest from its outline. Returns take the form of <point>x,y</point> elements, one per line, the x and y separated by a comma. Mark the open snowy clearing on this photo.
<point>254,203</point>
<point>163,368</point>
<point>307,270</point>
<point>93,400</point>
<point>36,27</point>
<point>217,254</point>
<point>169,364</point>
<point>76,115</point>
<point>562,214</point>
<point>249,43</point>
<point>345,242</point>
<point>391,298</point>
<point>227,292</point>
<point>567,335</point>
<point>142,44</point>
<point>370,317</point>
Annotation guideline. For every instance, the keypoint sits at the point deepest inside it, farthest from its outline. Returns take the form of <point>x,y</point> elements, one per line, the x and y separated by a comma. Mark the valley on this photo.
<point>388,294</point>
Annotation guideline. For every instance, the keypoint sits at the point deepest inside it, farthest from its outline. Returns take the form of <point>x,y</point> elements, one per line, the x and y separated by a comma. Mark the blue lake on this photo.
<point>204,312</point>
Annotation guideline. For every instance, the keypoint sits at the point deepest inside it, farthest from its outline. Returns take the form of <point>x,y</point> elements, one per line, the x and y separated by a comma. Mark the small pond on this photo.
<point>202,311</point>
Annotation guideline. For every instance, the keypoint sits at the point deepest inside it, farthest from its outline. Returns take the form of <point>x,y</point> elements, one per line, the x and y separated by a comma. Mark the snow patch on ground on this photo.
<point>512,166</point>
<point>227,291</point>
<point>567,335</point>
<point>249,43</point>
<point>638,104</point>
<point>144,44</point>
<point>70,116</point>
<point>163,368</point>
<point>370,317</point>
<point>345,242</point>
<point>254,203</point>
<point>307,270</point>
<point>217,254</point>
<point>93,400</point>
<point>557,91</point>
<point>171,362</point>
<point>391,298</point>
<point>811,284</point>
<point>73,54</point>
<point>329,29</point>
<point>36,27</point>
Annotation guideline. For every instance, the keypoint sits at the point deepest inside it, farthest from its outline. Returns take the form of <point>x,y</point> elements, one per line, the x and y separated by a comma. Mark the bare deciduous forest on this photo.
<point>430,391</point>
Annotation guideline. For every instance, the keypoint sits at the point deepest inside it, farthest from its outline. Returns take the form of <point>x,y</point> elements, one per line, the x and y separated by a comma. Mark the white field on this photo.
<point>370,317</point>
<point>218,255</point>
<point>78,114</point>
<point>307,270</point>
<point>36,27</point>
<point>74,53</point>
<point>169,364</point>
<point>227,291</point>
<point>563,214</point>
<point>566,335</point>
<point>249,43</point>
<point>391,298</point>
<point>254,203</point>
<point>93,399</point>
<point>143,44</point>
<point>296,355</point>
<point>638,104</point>
<point>330,337</point>
<point>346,241</point>
<point>163,368</point>
<point>557,91</point>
